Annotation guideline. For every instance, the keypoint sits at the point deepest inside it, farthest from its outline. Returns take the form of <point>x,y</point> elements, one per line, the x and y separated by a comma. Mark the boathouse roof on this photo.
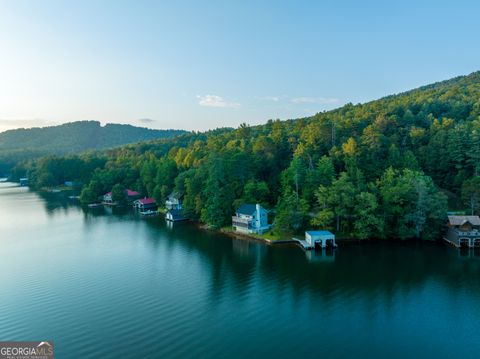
<point>175,195</point>
<point>460,220</point>
<point>146,200</point>
<point>320,233</point>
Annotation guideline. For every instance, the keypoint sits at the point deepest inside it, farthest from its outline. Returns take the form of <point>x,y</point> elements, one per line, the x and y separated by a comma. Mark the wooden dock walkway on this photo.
<point>452,243</point>
<point>303,243</point>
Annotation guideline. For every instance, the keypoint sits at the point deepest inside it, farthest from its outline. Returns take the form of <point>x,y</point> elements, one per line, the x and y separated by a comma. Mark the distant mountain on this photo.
<point>73,137</point>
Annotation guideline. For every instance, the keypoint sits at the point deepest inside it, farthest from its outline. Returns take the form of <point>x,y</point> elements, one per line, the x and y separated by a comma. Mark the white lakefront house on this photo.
<point>251,218</point>
<point>173,204</point>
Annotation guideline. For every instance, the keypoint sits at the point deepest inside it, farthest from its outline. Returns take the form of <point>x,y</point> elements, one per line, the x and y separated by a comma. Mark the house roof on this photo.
<point>320,233</point>
<point>175,195</point>
<point>247,209</point>
<point>147,200</point>
<point>460,220</point>
<point>131,193</point>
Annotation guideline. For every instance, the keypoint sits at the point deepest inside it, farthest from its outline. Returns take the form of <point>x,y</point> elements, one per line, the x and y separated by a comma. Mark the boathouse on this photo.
<point>175,215</point>
<point>251,218</point>
<point>145,204</point>
<point>23,182</point>
<point>463,231</point>
<point>323,239</point>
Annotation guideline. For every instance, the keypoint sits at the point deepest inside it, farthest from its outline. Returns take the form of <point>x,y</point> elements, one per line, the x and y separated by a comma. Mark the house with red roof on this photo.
<point>130,195</point>
<point>145,204</point>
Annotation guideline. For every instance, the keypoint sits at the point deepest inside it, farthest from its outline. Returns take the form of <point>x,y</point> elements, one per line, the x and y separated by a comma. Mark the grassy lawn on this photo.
<point>270,236</point>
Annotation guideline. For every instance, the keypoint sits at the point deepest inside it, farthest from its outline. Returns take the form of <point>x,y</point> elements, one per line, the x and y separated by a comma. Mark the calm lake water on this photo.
<point>111,285</point>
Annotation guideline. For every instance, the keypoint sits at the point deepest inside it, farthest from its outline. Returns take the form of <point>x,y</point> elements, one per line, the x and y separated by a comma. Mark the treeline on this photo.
<point>24,144</point>
<point>384,169</point>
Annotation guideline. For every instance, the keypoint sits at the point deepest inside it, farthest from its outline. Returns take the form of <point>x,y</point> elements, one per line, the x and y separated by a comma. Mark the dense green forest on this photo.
<point>74,137</point>
<point>389,168</point>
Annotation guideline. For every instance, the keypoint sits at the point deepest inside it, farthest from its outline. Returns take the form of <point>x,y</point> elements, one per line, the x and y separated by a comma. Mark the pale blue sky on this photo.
<point>206,64</point>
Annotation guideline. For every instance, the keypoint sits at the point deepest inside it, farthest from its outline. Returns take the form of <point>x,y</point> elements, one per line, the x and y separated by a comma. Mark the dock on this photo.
<point>303,243</point>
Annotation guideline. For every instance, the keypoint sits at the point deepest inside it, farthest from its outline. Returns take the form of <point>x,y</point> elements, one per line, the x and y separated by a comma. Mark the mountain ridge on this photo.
<point>71,137</point>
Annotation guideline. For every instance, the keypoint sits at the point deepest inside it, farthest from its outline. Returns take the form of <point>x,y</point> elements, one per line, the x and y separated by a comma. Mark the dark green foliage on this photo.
<point>92,192</point>
<point>471,194</point>
<point>411,205</point>
<point>367,170</point>
<point>255,192</point>
<point>291,214</point>
<point>119,194</point>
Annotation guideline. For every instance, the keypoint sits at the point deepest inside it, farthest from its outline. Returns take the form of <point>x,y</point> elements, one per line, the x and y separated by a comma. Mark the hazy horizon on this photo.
<point>198,66</point>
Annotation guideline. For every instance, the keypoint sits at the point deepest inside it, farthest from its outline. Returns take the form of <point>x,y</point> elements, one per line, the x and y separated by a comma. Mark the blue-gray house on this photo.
<point>251,218</point>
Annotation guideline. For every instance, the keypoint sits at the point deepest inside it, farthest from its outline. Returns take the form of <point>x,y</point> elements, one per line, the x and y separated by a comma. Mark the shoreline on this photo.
<point>258,238</point>
<point>341,241</point>
<point>227,231</point>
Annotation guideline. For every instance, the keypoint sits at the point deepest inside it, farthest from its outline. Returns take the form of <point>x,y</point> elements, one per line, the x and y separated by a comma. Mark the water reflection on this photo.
<point>58,202</point>
<point>175,290</point>
<point>363,268</point>
<point>370,268</point>
<point>323,255</point>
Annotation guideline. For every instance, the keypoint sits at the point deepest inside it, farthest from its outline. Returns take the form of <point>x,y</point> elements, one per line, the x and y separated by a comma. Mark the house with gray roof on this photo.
<point>463,231</point>
<point>251,218</point>
<point>174,201</point>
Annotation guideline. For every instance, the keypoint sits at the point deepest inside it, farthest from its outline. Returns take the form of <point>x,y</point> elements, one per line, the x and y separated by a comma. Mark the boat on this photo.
<point>149,213</point>
<point>95,205</point>
<point>73,197</point>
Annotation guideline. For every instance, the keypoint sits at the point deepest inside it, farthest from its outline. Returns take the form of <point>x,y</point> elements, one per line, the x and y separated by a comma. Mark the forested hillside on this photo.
<point>74,137</point>
<point>383,169</point>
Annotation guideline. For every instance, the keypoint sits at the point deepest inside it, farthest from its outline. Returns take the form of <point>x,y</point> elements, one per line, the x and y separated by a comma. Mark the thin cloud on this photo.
<point>11,124</point>
<point>146,120</point>
<point>271,98</point>
<point>316,100</point>
<point>215,101</point>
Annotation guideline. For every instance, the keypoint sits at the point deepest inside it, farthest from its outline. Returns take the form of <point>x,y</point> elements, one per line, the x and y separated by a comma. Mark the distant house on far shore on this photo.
<point>173,204</point>
<point>145,204</point>
<point>129,195</point>
<point>251,218</point>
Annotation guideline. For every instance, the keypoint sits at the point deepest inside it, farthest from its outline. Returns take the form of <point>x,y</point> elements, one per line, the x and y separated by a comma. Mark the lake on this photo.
<point>112,285</point>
